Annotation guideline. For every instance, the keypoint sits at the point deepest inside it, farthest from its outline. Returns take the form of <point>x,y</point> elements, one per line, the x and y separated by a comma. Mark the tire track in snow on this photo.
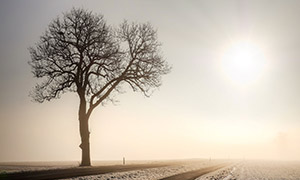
<point>191,175</point>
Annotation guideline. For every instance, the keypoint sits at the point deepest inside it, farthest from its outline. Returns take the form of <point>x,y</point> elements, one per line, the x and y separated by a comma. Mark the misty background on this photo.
<point>196,113</point>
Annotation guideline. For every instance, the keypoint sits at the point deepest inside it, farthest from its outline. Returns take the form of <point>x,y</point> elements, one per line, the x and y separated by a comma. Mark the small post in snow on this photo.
<point>123,160</point>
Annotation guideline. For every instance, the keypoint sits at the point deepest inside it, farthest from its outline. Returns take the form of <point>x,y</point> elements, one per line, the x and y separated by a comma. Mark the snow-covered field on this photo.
<point>10,167</point>
<point>154,173</point>
<point>238,170</point>
<point>257,170</point>
<point>246,170</point>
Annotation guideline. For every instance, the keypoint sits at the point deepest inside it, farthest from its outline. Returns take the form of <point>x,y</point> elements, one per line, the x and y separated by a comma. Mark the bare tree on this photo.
<point>81,53</point>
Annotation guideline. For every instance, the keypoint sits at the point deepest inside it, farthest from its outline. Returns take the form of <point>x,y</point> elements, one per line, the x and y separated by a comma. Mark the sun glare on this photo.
<point>243,62</point>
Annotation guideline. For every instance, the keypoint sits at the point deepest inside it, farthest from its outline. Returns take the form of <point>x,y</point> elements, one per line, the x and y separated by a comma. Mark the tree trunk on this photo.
<point>85,142</point>
<point>84,134</point>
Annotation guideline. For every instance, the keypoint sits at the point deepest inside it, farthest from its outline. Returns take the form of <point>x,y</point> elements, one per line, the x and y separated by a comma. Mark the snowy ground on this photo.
<point>153,173</point>
<point>257,170</point>
<point>11,167</point>
<point>238,170</point>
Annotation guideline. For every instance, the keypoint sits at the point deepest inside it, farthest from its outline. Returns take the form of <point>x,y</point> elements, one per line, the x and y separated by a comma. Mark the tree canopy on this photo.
<point>80,53</point>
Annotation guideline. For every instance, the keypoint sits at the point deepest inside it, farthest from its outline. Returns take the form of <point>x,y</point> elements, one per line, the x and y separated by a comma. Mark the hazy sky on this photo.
<point>200,111</point>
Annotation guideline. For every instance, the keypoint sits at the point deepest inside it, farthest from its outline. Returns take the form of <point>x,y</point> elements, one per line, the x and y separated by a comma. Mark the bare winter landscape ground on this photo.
<point>254,170</point>
<point>152,170</point>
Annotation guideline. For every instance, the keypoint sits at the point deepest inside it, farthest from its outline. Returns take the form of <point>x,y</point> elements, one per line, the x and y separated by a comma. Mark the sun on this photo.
<point>243,62</point>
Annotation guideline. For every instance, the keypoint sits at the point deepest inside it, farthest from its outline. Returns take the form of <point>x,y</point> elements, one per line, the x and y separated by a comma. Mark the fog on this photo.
<point>198,112</point>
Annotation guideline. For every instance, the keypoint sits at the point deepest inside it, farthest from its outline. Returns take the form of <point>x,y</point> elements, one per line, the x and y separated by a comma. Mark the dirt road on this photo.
<point>191,175</point>
<point>75,172</point>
